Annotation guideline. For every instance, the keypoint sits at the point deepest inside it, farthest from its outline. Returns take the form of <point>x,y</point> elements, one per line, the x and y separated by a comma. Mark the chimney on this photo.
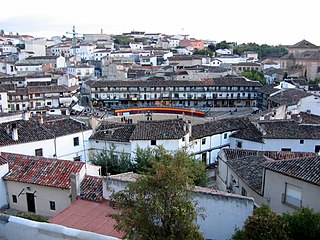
<point>299,119</point>
<point>26,115</point>
<point>41,119</point>
<point>75,186</point>
<point>189,128</point>
<point>14,132</point>
<point>288,115</point>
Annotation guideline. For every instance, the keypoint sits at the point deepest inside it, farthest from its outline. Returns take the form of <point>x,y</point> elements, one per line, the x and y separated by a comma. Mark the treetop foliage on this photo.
<point>266,224</point>
<point>158,205</point>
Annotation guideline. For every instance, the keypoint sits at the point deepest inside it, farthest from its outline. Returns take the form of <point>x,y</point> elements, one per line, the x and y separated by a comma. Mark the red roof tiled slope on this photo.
<point>91,188</point>
<point>89,216</point>
<point>39,170</point>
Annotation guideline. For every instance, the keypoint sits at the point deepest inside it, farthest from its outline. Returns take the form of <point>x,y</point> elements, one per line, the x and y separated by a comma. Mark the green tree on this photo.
<point>263,50</point>
<point>255,75</point>
<point>122,40</point>
<point>223,45</point>
<point>158,204</point>
<point>144,157</point>
<point>264,224</point>
<point>303,224</point>
<point>110,162</point>
<point>205,51</point>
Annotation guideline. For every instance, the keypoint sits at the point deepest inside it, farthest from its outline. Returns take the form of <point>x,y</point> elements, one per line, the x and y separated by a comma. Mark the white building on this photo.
<point>278,135</point>
<point>284,181</point>
<point>41,185</point>
<point>136,46</point>
<point>5,49</point>
<point>24,67</point>
<point>83,70</point>
<point>47,136</point>
<point>4,169</point>
<point>3,100</point>
<point>84,51</point>
<point>37,46</point>
<point>173,42</point>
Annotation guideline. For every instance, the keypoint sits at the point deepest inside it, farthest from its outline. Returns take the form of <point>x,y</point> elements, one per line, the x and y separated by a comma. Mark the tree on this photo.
<point>122,40</point>
<point>255,75</point>
<point>264,224</point>
<point>2,32</point>
<point>223,45</point>
<point>263,50</point>
<point>110,162</point>
<point>144,157</point>
<point>303,224</point>
<point>205,51</point>
<point>158,204</point>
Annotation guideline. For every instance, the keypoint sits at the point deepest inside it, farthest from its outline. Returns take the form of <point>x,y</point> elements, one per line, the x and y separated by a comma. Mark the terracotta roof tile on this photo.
<point>91,188</point>
<point>89,216</point>
<point>39,170</point>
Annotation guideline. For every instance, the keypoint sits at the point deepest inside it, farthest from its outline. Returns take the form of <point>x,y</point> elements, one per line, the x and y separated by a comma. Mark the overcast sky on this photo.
<point>273,22</point>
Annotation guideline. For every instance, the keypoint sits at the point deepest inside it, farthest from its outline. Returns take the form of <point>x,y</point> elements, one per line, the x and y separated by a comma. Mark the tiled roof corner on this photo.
<point>40,171</point>
<point>91,188</point>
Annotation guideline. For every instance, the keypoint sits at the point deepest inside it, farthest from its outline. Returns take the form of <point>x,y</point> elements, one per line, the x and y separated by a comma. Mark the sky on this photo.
<point>270,22</point>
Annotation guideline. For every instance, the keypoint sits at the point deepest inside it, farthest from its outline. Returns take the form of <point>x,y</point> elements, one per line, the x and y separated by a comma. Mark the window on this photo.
<point>301,141</point>
<point>38,152</point>
<point>243,191</point>
<point>286,149</point>
<point>153,142</point>
<point>52,205</point>
<point>225,136</point>
<point>76,141</point>
<point>183,139</point>
<point>317,149</point>
<point>239,144</point>
<point>293,195</point>
<point>203,141</point>
<point>77,159</point>
<point>14,199</point>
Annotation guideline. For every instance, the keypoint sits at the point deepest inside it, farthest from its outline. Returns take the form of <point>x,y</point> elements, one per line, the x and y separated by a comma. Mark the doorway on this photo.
<point>31,203</point>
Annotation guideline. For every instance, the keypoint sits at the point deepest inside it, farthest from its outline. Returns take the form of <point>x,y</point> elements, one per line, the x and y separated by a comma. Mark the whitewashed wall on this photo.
<point>4,169</point>
<point>224,212</point>
<point>42,197</point>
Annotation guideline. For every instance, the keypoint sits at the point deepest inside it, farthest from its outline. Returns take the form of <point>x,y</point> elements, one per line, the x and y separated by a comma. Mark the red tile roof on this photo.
<point>89,216</point>
<point>39,170</point>
<point>91,188</point>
